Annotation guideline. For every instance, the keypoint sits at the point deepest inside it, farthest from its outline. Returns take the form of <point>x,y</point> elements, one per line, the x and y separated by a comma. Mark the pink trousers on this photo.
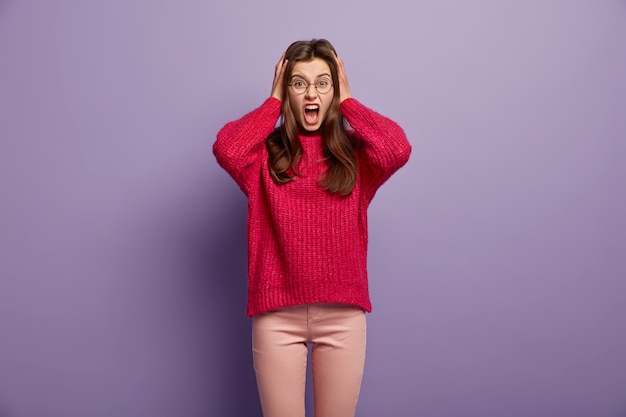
<point>279,344</point>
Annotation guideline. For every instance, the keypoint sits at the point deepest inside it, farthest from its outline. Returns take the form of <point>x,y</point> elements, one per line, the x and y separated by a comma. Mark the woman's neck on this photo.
<point>309,134</point>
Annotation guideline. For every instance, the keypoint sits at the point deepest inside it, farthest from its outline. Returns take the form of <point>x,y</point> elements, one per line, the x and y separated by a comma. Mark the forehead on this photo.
<point>311,69</point>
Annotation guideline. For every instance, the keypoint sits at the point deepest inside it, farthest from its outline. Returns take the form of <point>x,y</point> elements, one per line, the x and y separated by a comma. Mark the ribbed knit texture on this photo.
<point>306,245</point>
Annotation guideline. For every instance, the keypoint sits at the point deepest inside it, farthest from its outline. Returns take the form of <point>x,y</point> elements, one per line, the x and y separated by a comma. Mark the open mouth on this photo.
<point>311,113</point>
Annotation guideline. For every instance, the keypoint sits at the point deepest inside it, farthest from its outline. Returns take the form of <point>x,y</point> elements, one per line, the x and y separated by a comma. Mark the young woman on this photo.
<point>309,183</point>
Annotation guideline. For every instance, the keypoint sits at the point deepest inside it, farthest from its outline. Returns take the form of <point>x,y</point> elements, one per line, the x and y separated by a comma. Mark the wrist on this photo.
<point>344,99</point>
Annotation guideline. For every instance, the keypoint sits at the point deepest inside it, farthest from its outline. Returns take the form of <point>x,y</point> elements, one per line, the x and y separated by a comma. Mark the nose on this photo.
<point>310,91</point>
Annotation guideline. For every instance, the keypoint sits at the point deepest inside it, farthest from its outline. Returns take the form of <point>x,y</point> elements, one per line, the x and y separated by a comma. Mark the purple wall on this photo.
<point>497,254</point>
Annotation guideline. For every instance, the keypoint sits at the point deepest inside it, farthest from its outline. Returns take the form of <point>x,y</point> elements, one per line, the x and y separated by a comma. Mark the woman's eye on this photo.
<point>298,83</point>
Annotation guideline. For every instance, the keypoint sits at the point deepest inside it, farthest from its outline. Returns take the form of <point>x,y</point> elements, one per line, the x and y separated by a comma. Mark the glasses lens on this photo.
<point>298,85</point>
<point>323,85</point>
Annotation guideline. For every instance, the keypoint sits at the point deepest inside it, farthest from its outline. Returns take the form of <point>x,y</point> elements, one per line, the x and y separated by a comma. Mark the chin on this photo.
<point>310,128</point>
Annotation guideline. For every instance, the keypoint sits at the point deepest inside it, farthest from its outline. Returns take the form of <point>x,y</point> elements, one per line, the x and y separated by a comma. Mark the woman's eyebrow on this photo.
<point>303,77</point>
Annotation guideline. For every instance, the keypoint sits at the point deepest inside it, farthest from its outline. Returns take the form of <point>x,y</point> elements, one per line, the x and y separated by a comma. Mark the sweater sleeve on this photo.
<point>381,145</point>
<point>240,143</point>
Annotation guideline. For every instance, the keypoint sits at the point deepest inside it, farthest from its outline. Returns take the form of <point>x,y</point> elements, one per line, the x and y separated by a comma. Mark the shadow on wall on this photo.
<point>220,266</point>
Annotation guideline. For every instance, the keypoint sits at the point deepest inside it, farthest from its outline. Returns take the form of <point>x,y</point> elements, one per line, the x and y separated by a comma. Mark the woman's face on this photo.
<point>308,105</point>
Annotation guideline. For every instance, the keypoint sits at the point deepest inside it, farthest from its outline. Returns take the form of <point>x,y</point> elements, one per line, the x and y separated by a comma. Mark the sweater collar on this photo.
<point>305,134</point>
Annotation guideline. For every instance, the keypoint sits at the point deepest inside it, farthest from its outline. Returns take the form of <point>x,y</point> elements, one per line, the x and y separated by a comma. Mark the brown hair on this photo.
<point>284,147</point>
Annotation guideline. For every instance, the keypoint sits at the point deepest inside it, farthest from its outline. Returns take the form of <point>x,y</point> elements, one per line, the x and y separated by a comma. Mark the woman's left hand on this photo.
<point>344,88</point>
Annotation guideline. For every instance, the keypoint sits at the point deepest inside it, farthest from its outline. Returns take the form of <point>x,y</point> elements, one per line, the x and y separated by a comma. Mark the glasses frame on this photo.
<point>308,84</point>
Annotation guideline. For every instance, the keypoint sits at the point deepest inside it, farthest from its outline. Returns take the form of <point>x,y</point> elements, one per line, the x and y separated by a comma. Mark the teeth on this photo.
<point>311,107</point>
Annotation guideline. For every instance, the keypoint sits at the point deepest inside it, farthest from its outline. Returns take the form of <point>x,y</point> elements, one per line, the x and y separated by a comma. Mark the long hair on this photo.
<point>284,147</point>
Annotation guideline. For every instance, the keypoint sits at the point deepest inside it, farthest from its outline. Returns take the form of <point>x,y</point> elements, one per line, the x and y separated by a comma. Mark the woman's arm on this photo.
<point>380,143</point>
<point>240,143</point>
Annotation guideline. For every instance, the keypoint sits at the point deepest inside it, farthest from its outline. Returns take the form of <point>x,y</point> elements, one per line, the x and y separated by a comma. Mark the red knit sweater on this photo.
<point>306,245</point>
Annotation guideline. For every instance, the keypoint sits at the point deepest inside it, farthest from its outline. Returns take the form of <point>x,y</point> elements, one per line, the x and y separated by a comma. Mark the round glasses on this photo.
<point>300,86</point>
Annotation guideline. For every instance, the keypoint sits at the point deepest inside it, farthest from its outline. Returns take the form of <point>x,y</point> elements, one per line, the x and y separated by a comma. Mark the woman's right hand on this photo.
<point>279,73</point>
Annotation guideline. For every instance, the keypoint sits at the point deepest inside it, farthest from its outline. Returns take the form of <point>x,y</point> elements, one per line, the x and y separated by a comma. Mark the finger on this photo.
<point>281,71</point>
<point>339,61</point>
<point>340,66</point>
<point>283,63</point>
<point>280,63</point>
